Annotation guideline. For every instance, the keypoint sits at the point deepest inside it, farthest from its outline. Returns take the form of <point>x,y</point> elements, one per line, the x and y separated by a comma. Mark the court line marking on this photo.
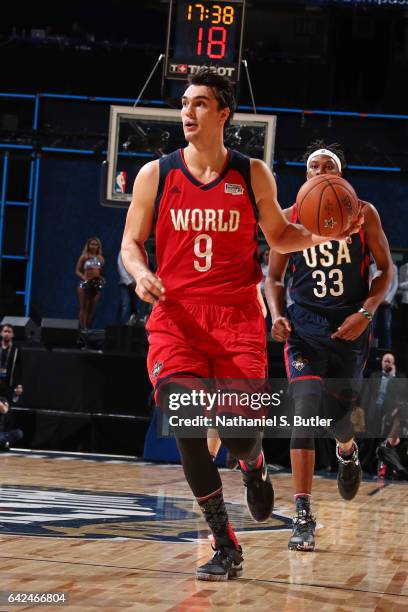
<point>246,580</point>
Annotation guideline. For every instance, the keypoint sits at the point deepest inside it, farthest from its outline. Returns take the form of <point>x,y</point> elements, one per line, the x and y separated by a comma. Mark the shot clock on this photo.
<point>207,33</point>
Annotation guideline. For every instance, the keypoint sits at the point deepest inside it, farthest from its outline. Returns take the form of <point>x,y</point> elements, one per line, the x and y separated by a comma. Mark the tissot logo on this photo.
<point>182,68</point>
<point>89,515</point>
<point>194,68</point>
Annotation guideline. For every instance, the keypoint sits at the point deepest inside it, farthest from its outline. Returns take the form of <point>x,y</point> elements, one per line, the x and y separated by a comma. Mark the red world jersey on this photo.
<point>206,235</point>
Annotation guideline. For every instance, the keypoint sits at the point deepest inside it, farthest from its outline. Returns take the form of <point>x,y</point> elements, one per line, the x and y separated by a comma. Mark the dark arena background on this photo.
<point>94,505</point>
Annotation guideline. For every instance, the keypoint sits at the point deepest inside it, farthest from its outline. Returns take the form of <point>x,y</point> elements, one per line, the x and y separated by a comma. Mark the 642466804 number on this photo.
<point>19,598</point>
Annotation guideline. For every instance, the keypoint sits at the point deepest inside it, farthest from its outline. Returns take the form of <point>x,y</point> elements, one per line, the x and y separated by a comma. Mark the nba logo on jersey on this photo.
<point>233,189</point>
<point>156,368</point>
<point>120,183</point>
<point>299,363</point>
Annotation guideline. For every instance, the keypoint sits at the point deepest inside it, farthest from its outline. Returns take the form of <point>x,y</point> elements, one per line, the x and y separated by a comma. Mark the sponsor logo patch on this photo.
<point>233,189</point>
<point>228,71</point>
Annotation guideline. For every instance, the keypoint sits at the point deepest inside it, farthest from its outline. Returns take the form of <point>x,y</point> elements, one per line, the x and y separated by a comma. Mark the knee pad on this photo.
<point>343,429</point>
<point>243,448</point>
<point>175,399</point>
<point>340,411</point>
<point>305,407</point>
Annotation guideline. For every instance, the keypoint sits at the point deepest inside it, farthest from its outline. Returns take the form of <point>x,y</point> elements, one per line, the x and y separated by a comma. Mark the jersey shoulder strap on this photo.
<point>242,163</point>
<point>166,164</point>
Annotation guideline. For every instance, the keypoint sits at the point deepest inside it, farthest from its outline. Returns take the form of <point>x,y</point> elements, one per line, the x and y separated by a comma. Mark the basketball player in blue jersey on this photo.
<point>326,331</point>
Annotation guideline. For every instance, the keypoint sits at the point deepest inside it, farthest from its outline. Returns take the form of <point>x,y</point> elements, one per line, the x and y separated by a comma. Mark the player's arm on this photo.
<point>275,292</point>
<point>354,325</point>
<point>281,235</point>
<point>139,223</point>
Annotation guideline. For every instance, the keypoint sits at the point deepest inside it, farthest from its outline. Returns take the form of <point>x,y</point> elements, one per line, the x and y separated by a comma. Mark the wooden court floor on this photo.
<point>120,535</point>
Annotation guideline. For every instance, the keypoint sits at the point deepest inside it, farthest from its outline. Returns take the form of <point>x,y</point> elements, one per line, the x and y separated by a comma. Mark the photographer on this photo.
<point>10,365</point>
<point>11,388</point>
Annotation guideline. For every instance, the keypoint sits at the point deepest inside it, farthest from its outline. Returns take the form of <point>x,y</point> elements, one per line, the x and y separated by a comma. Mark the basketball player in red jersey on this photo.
<point>206,201</point>
<point>327,338</point>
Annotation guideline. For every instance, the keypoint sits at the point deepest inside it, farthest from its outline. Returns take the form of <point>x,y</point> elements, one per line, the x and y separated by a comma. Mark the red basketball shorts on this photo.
<point>206,341</point>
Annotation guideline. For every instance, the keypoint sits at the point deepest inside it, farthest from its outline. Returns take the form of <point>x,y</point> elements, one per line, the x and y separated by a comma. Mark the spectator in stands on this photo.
<point>8,436</point>
<point>403,287</point>
<point>382,324</point>
<point>131,307</point>
<point>11,387</point>
<point>10,365</point>
<point>127,295</point>
<point>382,399</point>
<point>89,269</point>
<point>377,395</point>
<point>387,452</point>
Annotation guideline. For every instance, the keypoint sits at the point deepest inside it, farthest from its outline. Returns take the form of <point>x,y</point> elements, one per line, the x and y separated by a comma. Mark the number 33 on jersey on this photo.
<point>331,275</point>
<point>201,226</point>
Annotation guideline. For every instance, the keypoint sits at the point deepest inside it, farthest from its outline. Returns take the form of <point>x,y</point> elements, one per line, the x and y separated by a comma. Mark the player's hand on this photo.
<point>354,228</point>
<point>281,329</point>
<point>352,327</point>
<point>149,288</point>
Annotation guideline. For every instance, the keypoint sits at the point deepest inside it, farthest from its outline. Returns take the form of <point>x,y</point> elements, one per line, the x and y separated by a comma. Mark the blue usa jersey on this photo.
<point>331,278</point>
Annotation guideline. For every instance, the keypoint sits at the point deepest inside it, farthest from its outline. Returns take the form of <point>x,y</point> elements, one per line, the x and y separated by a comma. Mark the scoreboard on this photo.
<point>207,33</point>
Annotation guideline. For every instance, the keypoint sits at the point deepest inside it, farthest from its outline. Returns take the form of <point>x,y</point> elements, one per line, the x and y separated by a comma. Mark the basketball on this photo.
<point>327,205</point>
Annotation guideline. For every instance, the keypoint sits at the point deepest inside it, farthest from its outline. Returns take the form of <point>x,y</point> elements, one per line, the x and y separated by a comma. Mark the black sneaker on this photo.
<point>226,564</point>
<point>259,492</point>
<point>349,474</point>
<point>389,455</point>
<point>304,525</point>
